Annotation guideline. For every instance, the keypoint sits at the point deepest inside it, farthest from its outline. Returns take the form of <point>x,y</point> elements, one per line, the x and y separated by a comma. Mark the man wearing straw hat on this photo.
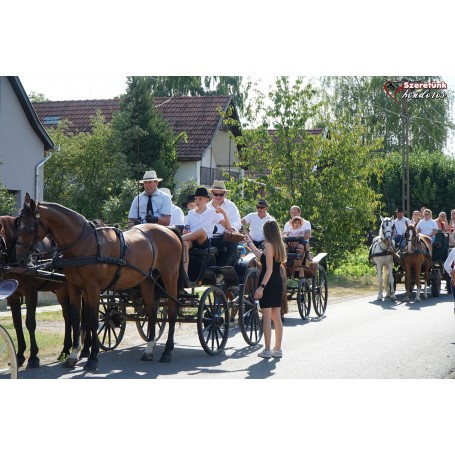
<point>152,205</point>
<point>227,250</point>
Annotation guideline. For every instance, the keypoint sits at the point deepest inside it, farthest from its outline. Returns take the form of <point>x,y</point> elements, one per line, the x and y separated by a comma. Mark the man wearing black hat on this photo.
<point>399,227</point>
<point>256,220</point>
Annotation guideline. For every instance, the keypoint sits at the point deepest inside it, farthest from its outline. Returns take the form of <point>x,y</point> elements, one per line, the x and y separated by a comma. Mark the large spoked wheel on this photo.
<point>8,360</point>
<point>142,322</point>
<point>250,320</point>
<point>320,291</point>
<point>304,298</point>
<point>112,324</point>
<point>213,320</point>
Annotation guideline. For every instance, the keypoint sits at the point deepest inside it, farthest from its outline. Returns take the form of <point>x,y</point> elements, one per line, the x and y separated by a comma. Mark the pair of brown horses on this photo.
<point>95,259</point>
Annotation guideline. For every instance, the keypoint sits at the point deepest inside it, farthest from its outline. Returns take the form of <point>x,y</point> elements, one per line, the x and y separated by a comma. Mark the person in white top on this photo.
<point>152,205</point>
<point>399,227</point>
<point>177,215</point>
<point>201,222</point>
<point>306,225</point>
<point>226,250</point>
<point>256,221</point>
<point>427,226</point>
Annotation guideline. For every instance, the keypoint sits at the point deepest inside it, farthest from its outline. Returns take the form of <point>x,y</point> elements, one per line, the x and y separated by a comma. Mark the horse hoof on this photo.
<point>69,363</point>
<point>62,356</point>
<point>91,365</point>
<point>20,360</point>
<point>33,363</point>
<point>84,355</point>
<point>166,358</point>
<point>147,357</point>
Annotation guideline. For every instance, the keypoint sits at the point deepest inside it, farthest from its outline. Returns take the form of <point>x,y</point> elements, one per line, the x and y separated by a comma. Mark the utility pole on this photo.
<point>405,158</point>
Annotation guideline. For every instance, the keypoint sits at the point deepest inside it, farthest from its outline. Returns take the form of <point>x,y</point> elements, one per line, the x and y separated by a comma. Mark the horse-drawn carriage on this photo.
<point>418,261</point>
<point>307,282</point>
<point>138,276</point>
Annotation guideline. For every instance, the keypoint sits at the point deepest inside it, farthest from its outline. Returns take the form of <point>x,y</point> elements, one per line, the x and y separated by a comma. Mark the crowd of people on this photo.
<point>210,215</point>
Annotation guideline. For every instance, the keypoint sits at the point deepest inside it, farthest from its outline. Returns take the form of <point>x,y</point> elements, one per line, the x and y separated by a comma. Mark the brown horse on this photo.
<point>417,254</point>
<point>27,292</point>
<point>95,259</point>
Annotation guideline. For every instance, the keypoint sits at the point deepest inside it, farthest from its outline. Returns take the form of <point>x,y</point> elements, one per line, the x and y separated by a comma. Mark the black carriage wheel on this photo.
<point>213,320</point>
<point>112,324</point>
<point>142,323</point>
<point>304,298</point>
<point>250,320</point>
<point>320,291</point>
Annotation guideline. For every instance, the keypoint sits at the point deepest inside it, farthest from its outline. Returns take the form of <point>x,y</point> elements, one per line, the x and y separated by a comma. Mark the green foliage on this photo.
<point>146,140</point>
<point>355,264</point>
<point>116,207</point>
<point>7,201</point>
<point>430,119</point>
<point>87,170</point>
<point>185,189</point>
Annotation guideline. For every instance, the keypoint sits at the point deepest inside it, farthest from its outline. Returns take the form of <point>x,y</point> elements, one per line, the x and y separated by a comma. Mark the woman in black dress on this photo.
<point>270,288</point>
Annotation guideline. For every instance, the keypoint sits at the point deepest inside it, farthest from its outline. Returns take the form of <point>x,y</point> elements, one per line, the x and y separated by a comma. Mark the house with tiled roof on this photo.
<point>209,151</point>
<point>23,143</point>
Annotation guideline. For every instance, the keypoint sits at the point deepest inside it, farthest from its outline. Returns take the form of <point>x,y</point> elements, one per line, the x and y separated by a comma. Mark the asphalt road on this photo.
<point>358,338</point>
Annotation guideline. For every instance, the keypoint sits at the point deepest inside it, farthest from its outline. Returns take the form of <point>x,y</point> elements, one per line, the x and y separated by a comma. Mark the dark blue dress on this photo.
<point>273,291</point>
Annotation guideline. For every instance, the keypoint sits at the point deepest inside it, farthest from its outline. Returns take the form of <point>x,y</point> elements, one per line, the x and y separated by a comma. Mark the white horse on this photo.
<point>380,255</point>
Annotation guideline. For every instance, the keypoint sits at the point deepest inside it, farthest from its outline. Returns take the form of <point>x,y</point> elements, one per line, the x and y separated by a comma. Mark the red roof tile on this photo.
<point>197,116</point>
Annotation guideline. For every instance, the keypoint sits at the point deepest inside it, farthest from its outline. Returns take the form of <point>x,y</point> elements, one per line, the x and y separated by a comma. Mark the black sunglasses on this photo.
<point>218,194</point>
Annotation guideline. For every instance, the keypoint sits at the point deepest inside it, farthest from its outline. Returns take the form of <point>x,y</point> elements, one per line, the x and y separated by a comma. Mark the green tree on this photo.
<point>36,97</point>
<point>364,96</point>
<point>328,176</point>
<point>87,170</point>
<point>7,201</point>
<point>146,140</point>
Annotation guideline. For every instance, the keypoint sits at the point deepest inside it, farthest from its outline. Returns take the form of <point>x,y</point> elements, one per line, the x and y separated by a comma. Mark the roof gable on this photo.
<point>197,116</point>
<point>29,112</point>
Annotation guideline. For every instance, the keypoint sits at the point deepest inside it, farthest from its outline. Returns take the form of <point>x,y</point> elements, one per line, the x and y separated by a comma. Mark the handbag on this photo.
<point>234,237</point>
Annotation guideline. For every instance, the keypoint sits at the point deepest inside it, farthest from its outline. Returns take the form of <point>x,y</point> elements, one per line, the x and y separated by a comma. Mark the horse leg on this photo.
<point>75,316</point>
<point>170,284</point>
<point>86,336</point>
<point>14,302</point>
<point>408,280</point>
<point>30,322</point>
<point>417,282</point>
<point>148,297</point>
<point>379,271</point>
<point>92,322</point>
<point>391,281</point>
<point>63,299</point>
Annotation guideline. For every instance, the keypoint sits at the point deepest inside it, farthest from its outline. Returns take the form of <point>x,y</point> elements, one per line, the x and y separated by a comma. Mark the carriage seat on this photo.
<point>440,247</point>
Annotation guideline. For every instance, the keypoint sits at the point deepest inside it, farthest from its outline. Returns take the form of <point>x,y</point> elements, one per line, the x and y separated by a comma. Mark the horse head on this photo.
<point>386,230</point>
<point>30,230</point>
<point>411,238</point>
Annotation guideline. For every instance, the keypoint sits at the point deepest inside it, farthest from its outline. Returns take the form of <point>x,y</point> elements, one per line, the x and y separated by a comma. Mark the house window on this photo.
<point>51,120</point>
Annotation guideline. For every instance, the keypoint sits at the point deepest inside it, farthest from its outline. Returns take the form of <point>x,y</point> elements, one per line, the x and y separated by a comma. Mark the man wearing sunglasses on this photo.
<point>256,220</point>
<point>226,250</point>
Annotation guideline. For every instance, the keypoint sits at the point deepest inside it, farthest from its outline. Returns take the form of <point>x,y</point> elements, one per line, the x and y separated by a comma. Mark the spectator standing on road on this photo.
<point>270,290</point>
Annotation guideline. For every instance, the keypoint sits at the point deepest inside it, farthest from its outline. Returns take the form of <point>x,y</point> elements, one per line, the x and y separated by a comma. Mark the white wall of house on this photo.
<point>224,149</point>
<point>20,147</point>
<point>186,170</point>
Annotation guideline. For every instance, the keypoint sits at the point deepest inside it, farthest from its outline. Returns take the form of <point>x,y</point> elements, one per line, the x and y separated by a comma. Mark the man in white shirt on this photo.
<point>399,227</point>
<point>152,205</point>
<point>177,215</point>
<point>256,220</point>
<point>226,250</point>
<point>427,226</point>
